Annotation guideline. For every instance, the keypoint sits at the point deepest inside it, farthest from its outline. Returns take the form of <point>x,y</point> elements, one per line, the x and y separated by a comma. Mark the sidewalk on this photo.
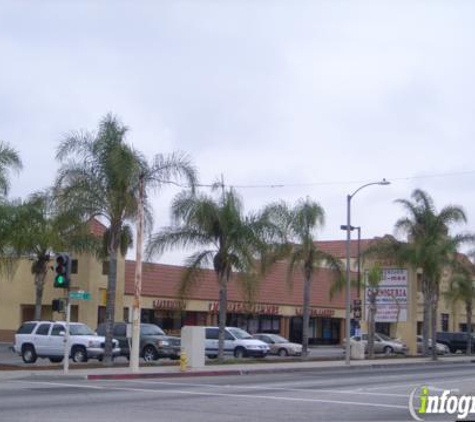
<point>268,367</point>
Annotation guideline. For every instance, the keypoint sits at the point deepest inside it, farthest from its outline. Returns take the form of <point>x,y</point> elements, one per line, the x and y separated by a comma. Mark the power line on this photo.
<point>310,184</point>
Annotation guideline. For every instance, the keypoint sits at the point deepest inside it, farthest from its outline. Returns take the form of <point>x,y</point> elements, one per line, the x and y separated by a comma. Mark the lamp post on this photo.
<point>348,281</point>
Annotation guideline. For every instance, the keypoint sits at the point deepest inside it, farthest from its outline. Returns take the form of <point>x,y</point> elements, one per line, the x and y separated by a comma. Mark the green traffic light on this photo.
<point>60,279</point>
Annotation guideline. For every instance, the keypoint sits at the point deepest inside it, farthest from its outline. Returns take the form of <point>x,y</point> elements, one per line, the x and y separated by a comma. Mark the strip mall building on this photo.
<point>277,306</point>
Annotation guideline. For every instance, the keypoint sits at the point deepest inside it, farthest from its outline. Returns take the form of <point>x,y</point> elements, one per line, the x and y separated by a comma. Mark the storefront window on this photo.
<point>255,324</point>
<point>445,322</point>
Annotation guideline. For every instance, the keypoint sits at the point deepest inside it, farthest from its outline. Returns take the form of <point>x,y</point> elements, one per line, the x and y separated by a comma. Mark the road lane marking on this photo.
<point>422,382</point>
<point>261,387</point>
<point>245,396</point>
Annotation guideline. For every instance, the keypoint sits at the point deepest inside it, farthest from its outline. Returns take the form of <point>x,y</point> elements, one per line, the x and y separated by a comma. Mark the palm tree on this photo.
<point>9,160</point>
<point>37,229</point>
<point>373,281</point>
<point>299,225</point>
<point>462,290</point>
<point>100,174</point>
<point>228,241</point>
<point>429,247</point>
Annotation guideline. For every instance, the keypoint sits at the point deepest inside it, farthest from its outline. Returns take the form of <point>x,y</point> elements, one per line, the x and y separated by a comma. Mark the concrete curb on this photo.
<point>263,371</point>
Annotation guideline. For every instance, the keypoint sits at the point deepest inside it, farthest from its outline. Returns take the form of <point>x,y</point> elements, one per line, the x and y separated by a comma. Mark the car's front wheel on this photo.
<point>239,352</point>
<point>79,354</point>
<point>28,354</point>
<point>388,350</point>
<point>150,354</point>
<point>282,353</point>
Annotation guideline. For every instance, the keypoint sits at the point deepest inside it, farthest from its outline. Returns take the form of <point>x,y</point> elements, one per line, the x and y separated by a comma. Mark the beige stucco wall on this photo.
<point>19,291</point>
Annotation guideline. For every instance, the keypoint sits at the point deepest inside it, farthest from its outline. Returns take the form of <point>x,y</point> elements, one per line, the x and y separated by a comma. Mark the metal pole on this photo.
<point>358,262</point>
<point>135,350</point>
<point>66,336</point>
<point>348,283</point>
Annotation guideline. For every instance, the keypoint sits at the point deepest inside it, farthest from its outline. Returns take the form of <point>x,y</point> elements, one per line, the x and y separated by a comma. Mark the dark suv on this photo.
<point>455,341</point>
<point>154,343</point>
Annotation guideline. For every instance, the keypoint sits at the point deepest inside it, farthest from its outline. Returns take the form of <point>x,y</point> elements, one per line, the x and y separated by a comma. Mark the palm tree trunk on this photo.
<point>426,318</point>
<point>111,291</point>
<point>223,303</point>
<point>306,315</point>
<point>39,287</point>
<point>468,309</point>
<point>371,324</point>
<point>434,300</point>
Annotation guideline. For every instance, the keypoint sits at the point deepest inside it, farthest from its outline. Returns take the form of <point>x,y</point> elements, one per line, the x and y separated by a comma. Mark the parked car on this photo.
<point>154,343</point>
<point>279,345</point>
<point>455,341</point>
<point>45,339</point>
<point>442,349</point>
<point>237,342</point>
<point>382,344</point>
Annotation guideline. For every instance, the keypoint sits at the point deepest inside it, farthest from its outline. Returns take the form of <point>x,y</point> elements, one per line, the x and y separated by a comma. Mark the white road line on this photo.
<point>422,382</point>
<point>263,387</point>
<point>246,396</point>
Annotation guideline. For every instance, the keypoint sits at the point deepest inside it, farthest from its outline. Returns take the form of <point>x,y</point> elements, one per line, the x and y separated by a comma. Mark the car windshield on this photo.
<point>277,339</point>
<point>151,330</point>
<point>239,334</point>
<point>80,330</point>
<point>384,337</point>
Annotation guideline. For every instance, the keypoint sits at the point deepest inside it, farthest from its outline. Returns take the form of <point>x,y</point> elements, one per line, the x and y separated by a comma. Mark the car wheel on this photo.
<point>57,359</point>
<point>388,350</point>
<point>239,352</point>
<point>283,352</point>
<point>28,354</point>
<point>453,350</point>
<point>79,354</point>
<point>211,356</point>
<point>150,354</point>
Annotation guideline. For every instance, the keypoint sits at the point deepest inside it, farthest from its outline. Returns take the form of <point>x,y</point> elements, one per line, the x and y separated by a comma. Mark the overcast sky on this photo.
<point>320,96</point>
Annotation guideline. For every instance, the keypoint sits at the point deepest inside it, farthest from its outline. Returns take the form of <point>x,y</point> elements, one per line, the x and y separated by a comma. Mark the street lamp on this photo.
<point>348,283</point>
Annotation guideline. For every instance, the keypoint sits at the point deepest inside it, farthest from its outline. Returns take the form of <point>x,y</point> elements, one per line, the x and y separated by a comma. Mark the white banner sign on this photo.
<point>391,301</point>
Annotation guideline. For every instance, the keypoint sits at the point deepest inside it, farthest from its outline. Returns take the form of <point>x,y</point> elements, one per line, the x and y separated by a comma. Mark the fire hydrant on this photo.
<point>183,360</point>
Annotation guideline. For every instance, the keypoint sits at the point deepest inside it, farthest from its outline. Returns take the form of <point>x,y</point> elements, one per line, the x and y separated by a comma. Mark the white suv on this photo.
<point>45,339</point>
<point>236,342</point>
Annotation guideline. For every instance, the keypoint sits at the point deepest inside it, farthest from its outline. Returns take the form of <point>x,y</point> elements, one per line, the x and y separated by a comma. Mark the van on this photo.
<point>237,342</point>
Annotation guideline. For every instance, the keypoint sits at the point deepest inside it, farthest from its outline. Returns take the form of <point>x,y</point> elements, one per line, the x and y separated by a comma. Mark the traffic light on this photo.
<point>57,305</point>
<point>357,309</point>
<point>62,269</point>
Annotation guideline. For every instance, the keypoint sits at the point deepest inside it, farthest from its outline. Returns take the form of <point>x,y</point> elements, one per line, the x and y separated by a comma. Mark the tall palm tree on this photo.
<point>37,229</point>
<point>100,174</point>
<point>228,241</point>
<point>429,247</point>
<point>462,289</point>
<point>372,284</point>
<point>9,160</point>
<point>299,225</point>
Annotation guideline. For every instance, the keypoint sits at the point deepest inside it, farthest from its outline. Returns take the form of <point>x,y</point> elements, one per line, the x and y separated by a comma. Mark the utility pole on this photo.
<point>135,350</point>
<point>66,335</point>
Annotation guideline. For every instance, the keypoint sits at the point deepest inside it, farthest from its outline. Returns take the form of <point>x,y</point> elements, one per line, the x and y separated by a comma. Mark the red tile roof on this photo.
<point>160,280</point>
<point>337,248</point>
<point>97,228</point>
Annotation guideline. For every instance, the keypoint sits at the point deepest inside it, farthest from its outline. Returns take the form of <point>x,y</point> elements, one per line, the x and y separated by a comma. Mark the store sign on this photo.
<point>391,299</point>
<point>244,308</point>
<point>317,312</point>
<point>173,305</point>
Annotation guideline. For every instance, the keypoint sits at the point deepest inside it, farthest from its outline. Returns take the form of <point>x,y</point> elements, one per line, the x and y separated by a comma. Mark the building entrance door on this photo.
<point>296,324</point>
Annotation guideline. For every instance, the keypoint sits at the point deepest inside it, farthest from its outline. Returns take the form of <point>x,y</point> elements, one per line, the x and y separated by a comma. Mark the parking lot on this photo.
<point>364,394</point>
<point>7,357</point>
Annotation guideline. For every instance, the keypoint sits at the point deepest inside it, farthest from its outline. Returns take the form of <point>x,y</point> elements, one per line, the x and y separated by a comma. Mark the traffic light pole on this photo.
<point>66,335</point>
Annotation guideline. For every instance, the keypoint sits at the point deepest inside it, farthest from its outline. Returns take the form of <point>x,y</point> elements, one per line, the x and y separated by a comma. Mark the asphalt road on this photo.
<point>319,395</point>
